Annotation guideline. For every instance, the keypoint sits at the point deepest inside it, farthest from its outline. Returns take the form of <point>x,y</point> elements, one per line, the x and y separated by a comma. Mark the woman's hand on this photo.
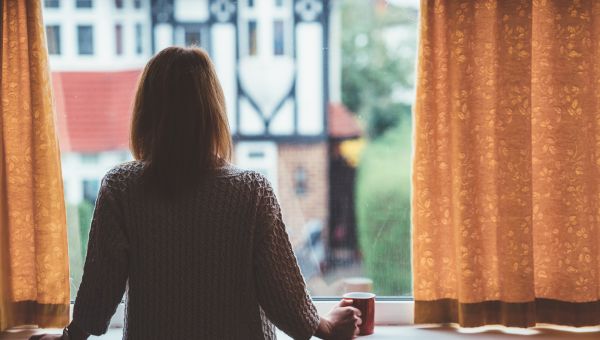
<point>341,323</point>
<point>46,337</point>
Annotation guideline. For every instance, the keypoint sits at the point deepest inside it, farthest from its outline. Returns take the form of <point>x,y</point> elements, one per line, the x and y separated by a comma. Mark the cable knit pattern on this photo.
<point>216,264</point>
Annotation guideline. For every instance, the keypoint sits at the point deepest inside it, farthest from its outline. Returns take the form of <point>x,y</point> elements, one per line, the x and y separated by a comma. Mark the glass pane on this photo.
<point>137,3</point>
<point>51,3</point>
<point>85,39</point>
<point>278,37</point>
<point>138,39</point>
<point>252,38</point>
<point>83,3</point>
<point>119,3</point>
<point>193,37</point>
<point>119,39</point>
<point>328,121</point>
<point>53,37</point>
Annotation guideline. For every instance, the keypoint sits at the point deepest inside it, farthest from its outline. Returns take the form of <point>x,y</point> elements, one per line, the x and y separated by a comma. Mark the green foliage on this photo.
<point>383,211</point>
<point>372,72</point>
<point>85,210</point>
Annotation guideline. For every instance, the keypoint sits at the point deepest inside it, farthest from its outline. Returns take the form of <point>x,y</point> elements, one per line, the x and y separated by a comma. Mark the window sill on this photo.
<point>394,320</point>
<point>391,332</point>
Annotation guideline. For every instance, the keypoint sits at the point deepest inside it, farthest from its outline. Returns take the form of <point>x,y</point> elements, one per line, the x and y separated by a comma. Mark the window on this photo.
<point>139,48</point>
<point>192,36</point>
<point>118,3</point>
<point>53,39</point>
<point>90,189</point>
<point>278,36</point>
<point>52,3</point>
<point>137,4</point>
<point>300,181</point>
<point>85,39</point>
<point>342,176</point>
<point>252,38</point>
<point>119,39</point>
<point>83,4</point>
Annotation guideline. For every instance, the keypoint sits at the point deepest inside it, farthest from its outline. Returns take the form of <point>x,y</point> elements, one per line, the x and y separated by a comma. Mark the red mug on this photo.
<point>365,302</point>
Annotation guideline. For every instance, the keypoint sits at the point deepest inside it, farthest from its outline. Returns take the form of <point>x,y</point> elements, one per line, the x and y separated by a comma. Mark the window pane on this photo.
<point>138,39</point>
<point>118,3</point>
<point>85,40</point>
<point>193,36</point>
<point>278,37</point>
<point>119,39</point>
<point>83,3</point>
<point>137,3</point>
<point>328,121</point>
<point>52,3</point>
<point>252,38</point>
<point>53,37</point>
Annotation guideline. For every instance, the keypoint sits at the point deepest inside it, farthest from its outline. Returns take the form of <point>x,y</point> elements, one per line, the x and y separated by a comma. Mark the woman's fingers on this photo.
<point>345,303</point>
<point>358,320</point>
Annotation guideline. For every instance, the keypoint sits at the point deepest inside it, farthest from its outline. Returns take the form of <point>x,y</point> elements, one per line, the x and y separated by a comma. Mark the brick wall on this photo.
<point>300,209</point>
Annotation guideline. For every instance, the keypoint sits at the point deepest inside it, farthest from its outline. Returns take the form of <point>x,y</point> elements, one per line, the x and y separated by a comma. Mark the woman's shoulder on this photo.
<point>122,174</point>
<point>251,179</point>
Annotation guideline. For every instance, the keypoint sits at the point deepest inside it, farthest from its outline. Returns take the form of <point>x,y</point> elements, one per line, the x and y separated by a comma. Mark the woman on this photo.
<point>199,244</point>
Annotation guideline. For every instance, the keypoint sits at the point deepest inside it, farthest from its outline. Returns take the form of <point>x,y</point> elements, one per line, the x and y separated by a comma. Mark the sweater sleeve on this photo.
<point>106,266</point>
<point>280,286</point>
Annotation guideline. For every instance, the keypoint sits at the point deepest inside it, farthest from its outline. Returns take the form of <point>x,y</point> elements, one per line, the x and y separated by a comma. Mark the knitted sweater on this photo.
<point>216,264</point>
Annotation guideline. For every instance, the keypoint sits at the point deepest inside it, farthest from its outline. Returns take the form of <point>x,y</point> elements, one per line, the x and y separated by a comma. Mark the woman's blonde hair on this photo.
<point>179,124</point>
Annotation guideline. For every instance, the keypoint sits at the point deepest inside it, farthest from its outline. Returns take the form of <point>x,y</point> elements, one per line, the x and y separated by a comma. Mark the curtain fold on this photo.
<point>506,164</point>
<point>34,272</point>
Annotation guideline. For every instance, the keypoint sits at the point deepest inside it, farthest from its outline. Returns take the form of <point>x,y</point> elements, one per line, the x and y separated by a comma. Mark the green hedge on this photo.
<point>383,211</point>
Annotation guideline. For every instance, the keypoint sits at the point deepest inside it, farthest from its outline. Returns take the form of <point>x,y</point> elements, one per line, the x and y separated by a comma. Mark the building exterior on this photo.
<point>273,61</point>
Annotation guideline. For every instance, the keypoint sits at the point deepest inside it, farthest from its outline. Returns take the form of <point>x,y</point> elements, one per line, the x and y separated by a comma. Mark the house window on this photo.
<point>83,3</point>
<point>118,3</point>
<point>53,39</point>
<point>252,38</point>
<point>192,36</point>
<point>119,39</point>
<point>138,39</point>
<point>300,181</point>
<point>51,3</point>
<point>85,39</point>
<point>279,3</point>
<point>278,36</point>
<point>250,3</point>
<point>90,189</point>
<point>137,4</point>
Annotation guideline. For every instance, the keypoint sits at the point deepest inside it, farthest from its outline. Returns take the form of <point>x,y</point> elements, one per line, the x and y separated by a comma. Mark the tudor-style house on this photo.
<point>274,61</point>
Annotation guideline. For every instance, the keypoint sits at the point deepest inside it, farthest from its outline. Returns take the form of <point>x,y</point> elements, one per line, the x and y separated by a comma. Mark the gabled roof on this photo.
<point>342,123</point>
<point>94,109</point>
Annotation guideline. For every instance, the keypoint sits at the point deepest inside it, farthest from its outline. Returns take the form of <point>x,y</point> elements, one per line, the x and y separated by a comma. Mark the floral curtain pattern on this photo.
<point>34,274</point>
<point>506,180</point>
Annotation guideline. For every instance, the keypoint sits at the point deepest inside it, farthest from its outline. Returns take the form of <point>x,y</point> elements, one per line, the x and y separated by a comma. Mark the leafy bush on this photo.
<point>85,210</point>
<point>383,211</point>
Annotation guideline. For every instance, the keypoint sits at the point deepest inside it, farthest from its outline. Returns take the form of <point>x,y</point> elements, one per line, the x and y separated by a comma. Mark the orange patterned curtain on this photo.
<point>506,199</point>
<point>34,273</point>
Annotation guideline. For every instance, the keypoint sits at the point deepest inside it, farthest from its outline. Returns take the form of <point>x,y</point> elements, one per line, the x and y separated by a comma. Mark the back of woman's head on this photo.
<point>179,126</point>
